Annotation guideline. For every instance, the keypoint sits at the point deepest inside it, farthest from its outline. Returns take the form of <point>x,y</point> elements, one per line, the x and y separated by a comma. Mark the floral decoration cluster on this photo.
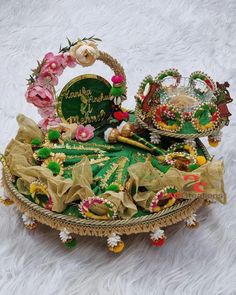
<point>44,78</point>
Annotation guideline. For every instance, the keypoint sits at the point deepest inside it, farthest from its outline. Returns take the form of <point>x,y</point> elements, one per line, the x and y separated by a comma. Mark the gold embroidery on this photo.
<point>120,169</point>
<point>92,161</point>
<point>107,176</point>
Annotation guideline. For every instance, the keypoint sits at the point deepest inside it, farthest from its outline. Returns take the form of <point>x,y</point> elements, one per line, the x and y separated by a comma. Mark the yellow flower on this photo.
<point>190,149</point>
<point>36,187</point>
<point>85,53</point>
<point>201,160</point>
<point>204,127</point>
<point>168,127</point>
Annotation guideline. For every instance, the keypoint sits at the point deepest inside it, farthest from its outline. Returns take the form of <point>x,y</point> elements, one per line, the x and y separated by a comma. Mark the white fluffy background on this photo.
<point>146,37</point>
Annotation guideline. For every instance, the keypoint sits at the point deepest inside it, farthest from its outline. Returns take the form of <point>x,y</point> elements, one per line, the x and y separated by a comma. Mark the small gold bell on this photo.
<point>213,142</point>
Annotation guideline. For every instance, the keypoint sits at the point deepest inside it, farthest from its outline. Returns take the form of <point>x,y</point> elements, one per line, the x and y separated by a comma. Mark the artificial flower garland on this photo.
<point>87,204</point>
<point>206,117</point>
<point>178,147</point>
<point>167,195</point>
<point>167,117</point>
<point>39,193</point>
<point>174,73</point>
<point>144,89</point>
<point>198,75</point>
<point>172,157</point>
<point>41,84</point>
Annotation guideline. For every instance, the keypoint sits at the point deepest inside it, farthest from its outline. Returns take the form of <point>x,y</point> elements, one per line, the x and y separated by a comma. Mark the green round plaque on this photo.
<point>85,99</point>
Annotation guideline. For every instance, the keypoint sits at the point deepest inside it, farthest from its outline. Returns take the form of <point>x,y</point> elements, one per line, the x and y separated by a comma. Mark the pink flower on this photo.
<point>47,112</point>
<point>84,133</point>
<point>53,63</point>
<point>49,204</point>
<point>69,60</point>
<point>117,79</point>
<point>47,123</point>
<point>39,96</point>
<point>47,78</point>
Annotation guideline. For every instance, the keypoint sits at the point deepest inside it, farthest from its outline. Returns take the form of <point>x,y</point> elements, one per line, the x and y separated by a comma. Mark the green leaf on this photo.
<point>170,122</point>
<point>97,39</point>
<point>73,211</point>
<point>177,115</point>
<point>69,42</point>
<point>204,119</point>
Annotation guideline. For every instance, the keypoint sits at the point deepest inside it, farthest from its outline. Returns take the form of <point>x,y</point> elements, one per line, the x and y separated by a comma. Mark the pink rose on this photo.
<point>39,96</point>
<point>53,63</point>
<point>46,78</point>
<point>47,112</point>
<point>47,123</point>
<point>84,133</point>
<point>117,79</point>
<point>69,60</point>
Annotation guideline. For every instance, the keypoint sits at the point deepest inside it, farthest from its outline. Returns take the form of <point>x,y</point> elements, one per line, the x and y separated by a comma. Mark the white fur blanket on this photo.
<point>146,37</point>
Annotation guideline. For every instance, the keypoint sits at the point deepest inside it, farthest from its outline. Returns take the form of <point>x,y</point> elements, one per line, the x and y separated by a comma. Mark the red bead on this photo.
<point>159,242</point>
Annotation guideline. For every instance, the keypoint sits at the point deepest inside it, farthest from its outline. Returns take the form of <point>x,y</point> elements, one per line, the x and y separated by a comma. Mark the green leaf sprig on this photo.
<point>70,43</point>
<point>35,72</point>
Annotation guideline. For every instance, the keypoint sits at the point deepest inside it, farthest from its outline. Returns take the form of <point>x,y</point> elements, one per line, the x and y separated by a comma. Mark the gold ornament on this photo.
<point>193,225</point>
<point>213,142</point>
<point>127,130</point>
<point>117,249</point>
<point>6,201</point>
<point>113,136</point>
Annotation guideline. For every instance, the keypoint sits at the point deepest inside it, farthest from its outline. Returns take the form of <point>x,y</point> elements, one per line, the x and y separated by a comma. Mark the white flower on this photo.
<point>113,240</point>
<point>155,138</point>
<point>106,134</point>
<point>122,124</point>
<point>157,234</point>
<point>27,220</point>
<point>85,52</point>
<point>191,220</point>
<point>65,235</point>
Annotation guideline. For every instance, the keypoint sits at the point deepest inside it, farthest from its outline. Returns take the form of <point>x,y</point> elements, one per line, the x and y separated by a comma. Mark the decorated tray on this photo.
<point>181,107</point>
<point>91,167</point>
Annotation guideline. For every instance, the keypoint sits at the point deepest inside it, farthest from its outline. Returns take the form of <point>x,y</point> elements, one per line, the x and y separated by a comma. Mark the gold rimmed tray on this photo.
<point>91,227</point>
